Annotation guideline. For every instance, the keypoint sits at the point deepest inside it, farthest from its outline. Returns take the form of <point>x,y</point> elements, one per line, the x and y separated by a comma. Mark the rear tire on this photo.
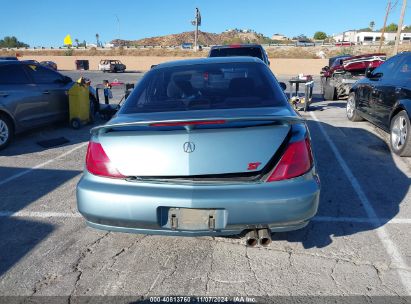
<point>6,131</point>
<point>400,134</point>
<point>323,84</point>
<point>351,109</point>
<point>330,92</point>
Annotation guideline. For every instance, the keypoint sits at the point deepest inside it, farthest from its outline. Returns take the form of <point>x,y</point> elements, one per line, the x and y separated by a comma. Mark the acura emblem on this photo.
<point>189,147</point>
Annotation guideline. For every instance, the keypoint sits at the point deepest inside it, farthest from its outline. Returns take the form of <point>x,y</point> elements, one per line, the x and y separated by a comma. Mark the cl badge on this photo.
<point>189,147</point>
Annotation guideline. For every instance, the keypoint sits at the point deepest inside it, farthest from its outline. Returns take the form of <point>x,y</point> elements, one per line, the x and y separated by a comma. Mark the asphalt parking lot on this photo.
<point>357,245</point>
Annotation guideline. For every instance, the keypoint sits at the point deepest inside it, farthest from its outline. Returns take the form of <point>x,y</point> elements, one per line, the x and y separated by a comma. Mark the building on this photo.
<point>360,37</point>
<point>279,37</point>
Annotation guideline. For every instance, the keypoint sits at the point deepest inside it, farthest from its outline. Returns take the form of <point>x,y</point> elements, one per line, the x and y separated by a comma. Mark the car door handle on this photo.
<point>46,92</point>
<point>3,94</point>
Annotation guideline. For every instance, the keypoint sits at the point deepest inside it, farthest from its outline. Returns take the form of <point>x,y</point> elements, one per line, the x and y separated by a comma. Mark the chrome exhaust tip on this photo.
<point>264,237</point>
<point>251,238</point>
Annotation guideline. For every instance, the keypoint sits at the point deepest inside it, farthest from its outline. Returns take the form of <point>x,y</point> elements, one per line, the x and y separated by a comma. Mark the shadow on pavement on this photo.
<point>26,142</point>
<point>19,235</point>
<point>371,162</point>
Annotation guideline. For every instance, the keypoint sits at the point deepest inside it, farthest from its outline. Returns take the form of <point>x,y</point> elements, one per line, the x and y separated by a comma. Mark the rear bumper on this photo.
<point>123,206</point>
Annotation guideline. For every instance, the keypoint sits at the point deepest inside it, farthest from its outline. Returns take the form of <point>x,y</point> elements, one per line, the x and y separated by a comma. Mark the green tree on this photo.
<point>391,27</point>
<point>320,35</point>
<point>11,42</point>
<point>372,25</point>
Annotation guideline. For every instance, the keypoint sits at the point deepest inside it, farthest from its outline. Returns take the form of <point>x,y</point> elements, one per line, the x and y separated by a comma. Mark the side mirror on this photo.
<point>368,73</point>
<point>283,86</point>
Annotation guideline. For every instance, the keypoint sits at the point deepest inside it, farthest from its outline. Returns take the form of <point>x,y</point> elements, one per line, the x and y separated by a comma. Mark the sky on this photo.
<point>46,22</point>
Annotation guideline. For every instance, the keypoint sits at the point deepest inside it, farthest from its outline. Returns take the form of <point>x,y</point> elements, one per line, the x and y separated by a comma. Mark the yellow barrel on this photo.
<point>79,105</point>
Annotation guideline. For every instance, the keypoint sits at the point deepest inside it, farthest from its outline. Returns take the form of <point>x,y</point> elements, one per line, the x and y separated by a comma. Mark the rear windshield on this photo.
<point>205,86</point>
<point>237,51</point>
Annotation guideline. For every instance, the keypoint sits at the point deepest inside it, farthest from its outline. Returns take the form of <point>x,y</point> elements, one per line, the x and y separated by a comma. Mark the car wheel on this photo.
<point>351,109</point>
<point>400,134</point>
<point>329,92</point>
<point>75,123</point>
<point>323,82</point>
<point>6,131</point>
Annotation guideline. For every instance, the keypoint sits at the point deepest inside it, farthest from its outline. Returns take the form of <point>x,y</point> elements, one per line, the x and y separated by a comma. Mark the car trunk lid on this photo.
<point>194,146</point>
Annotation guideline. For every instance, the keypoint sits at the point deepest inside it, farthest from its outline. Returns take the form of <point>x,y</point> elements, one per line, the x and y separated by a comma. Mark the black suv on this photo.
<point>252,50</point>
<point>383,97</point>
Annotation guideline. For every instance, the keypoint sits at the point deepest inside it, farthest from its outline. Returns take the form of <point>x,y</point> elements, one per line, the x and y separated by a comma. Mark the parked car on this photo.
<point>30,61</point>
<point>204,146</point>
<point>253,50</point>
<point>304,42</point>
<point>383,97</point>
<point>344,43</point>
<point>30,96</point>
<point>186,46</point>
<point>343,71</point>
<point>49,64</point>
<point>114,66</point>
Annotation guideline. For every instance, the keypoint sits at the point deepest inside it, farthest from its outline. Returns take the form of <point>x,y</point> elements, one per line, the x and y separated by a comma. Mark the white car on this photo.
<point>108,65</point>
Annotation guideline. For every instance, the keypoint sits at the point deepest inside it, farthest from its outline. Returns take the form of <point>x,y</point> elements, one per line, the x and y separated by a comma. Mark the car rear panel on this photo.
<point>141,207</point>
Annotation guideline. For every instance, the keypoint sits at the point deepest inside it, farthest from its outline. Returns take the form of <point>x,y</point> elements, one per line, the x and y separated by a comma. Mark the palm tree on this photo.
<point>77,42</point>
<point>97,38</point>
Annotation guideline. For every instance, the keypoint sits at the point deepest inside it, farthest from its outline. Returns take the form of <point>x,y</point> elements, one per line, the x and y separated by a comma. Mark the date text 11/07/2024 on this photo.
<point>199,299</point>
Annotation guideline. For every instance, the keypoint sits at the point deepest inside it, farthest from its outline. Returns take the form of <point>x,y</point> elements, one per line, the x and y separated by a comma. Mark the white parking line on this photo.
<point>361,220</point>
<point>404,272</point>
<point>22,173</point>
<point>38,214</point>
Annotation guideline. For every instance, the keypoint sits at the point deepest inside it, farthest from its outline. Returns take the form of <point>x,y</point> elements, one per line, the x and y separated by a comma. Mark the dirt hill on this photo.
<point>204,38</point>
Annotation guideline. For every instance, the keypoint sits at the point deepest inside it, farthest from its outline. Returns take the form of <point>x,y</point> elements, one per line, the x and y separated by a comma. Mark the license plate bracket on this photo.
<point>196,219</point>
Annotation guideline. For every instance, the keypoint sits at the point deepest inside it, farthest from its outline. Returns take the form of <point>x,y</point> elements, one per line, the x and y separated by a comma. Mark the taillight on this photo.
<point>297,160</point>
<point>98,163</point>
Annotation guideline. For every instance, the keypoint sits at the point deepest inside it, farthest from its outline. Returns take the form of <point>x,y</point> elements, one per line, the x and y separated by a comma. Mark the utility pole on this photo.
<point>197,23</point>
<point>400,23</point>
<point>385,23</point>
<point>118,28</point>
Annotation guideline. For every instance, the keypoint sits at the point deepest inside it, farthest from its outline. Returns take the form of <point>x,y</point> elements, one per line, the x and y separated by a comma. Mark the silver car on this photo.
<point>30,96</point>
<point>202,147</point>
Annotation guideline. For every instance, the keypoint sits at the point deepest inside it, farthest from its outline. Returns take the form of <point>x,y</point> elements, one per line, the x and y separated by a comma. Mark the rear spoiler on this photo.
<point>198,121</point>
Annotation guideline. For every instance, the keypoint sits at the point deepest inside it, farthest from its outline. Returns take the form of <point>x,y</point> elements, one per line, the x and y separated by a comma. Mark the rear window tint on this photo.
<point>237,51</point>
<point>205,86</point>
<point>13,74</point>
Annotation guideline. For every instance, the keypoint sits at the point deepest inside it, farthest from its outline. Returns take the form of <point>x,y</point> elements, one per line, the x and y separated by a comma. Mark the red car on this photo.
<point>344,43</point>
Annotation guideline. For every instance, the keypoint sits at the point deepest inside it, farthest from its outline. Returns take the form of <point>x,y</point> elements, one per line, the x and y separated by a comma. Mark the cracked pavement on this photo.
<point>62,256</point>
